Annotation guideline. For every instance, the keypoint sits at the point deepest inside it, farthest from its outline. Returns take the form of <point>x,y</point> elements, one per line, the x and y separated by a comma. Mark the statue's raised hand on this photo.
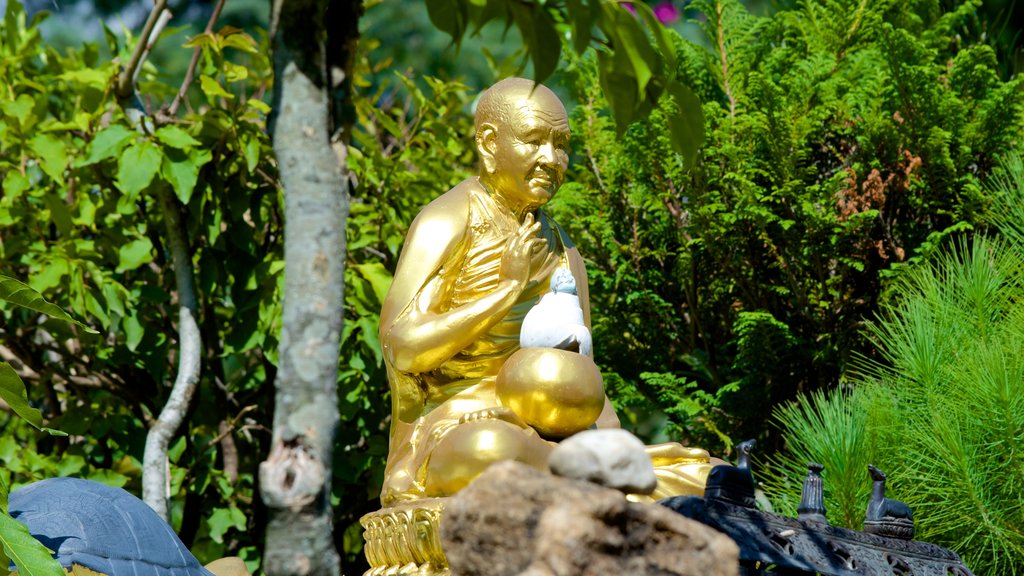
<point>516,261</point>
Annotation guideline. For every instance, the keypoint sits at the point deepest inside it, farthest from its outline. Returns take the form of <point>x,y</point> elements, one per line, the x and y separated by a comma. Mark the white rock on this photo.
<point>611,457</point>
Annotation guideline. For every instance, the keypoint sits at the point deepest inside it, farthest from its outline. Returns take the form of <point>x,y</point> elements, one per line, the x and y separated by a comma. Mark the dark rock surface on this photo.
<point>516,520</point>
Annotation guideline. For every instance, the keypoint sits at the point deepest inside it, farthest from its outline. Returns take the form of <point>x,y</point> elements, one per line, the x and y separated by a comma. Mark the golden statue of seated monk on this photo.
<point>475,261</point>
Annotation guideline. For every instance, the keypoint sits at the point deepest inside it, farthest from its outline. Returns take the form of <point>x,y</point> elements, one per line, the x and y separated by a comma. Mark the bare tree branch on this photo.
<point>155,473</point>
<point>172,110</point>
<point>126,80</point>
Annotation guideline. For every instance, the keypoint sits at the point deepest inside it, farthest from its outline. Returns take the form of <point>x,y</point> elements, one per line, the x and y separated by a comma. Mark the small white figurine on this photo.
<point>557,320</point>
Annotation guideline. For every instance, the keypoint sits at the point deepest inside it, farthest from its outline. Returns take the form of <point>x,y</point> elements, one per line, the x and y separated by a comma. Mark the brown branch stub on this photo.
<point>292,477</point>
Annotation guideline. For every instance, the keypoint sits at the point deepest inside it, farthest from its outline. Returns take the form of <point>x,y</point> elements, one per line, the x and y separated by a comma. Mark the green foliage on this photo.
<point>636,55</point>
<point>941,412</point>
<point>82,224</point>
<point>31,557</point>
<point>845,139</point>
<point>833,431</point>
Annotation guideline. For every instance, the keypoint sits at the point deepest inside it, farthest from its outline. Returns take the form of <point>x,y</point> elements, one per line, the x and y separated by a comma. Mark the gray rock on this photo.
<point>515,520</point>
<point>611,457</point>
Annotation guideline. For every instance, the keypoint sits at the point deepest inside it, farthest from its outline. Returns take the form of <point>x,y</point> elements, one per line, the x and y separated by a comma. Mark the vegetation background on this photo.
<point>849,145</point>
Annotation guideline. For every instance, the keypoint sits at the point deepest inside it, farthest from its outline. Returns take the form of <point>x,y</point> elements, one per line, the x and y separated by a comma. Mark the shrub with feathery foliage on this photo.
<point>844,139</point>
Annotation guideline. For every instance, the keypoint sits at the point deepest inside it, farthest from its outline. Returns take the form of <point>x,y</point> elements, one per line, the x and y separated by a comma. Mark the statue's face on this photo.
<point>532,150</point>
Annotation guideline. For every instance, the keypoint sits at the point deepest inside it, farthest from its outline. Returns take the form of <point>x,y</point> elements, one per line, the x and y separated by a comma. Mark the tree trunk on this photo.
<point>295,480</point>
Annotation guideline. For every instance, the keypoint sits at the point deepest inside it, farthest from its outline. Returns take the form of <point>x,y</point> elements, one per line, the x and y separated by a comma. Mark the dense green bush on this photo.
<point>844,140</point>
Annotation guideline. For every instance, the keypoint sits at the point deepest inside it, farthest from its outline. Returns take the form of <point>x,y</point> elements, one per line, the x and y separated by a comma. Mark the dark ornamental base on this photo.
<point>773,545</point>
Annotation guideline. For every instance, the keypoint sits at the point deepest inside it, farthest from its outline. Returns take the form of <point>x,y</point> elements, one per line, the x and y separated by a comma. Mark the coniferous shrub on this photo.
<point>843,140</point>
<point>942,409</point>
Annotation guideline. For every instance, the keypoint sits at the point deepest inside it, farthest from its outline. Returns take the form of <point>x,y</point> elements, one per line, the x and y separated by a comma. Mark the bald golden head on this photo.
<point>503,102</point>
<point>522,136</point>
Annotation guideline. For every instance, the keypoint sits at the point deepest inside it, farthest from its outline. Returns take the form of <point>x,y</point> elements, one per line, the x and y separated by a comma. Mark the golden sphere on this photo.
<point>557,392</point>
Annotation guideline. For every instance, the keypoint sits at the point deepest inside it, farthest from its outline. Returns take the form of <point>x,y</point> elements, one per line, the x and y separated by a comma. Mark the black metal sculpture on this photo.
<point>887,517</point>
<point>771,544</point>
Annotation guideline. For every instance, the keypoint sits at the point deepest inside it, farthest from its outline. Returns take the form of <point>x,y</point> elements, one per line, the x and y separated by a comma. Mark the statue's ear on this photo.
<point>487,145</point>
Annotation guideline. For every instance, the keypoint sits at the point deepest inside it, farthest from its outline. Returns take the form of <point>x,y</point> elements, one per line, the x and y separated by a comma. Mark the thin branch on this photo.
<point>190,74</point>
<point>125,82</point>
<point>155,473</point>
<point>161,23</point>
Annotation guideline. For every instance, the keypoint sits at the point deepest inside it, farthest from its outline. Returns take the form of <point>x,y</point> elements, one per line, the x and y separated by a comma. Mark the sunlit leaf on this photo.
<point>21,294</point>
<point>222,520</point>
<point>175,137</point>
<point>134,254</point>
<point>378,277</point>
<point>27,553</point>
<point>133,331</point>
<point>213,89</point>
<point>19,108</point>
<point>12,391</point>
<point>52,153</point>
<point>242,41</point>
<point>108,143</point>
<point>181,172</point>
<point>137,166</point>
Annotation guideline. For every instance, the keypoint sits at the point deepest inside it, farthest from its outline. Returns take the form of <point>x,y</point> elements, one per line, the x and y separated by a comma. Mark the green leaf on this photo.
<point>138,164</point>
<point>175,137</point>
<point>448,16</point>
<point>224,519</point>
<point>181,172</point>
<point>134,254</point>
<point>685,122</point>
<point>108,143</point>
<point>109,477</point>
<point>19,108</point>
<point>583,18</point>
<point>88,76</point>
<point>15,184</point>
<point>378,276</point>
<point>133,332</point>
<point>12,391</point>
<point>242,41</point>
<point>660,33</point>
<point>22,295</point>
<point>234,72</point>
<point>213,89</point>
<point>540,37</point>
<point>53,156</point>
<point>251,146</point>
<point>634,55</point>
<point>619,89</point>
<point>59,214</point>
<point>27,553</point>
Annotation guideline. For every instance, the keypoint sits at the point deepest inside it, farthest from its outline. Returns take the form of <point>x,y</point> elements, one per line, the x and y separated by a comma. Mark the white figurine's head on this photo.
<point>563,281</point>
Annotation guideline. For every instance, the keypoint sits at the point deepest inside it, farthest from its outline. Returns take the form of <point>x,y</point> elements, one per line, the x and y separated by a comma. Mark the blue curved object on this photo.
<point>102,528</point>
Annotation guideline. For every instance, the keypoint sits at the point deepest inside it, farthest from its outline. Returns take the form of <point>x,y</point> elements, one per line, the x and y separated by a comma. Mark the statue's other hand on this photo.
<point>516,261</point>
<point>495,413</point>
